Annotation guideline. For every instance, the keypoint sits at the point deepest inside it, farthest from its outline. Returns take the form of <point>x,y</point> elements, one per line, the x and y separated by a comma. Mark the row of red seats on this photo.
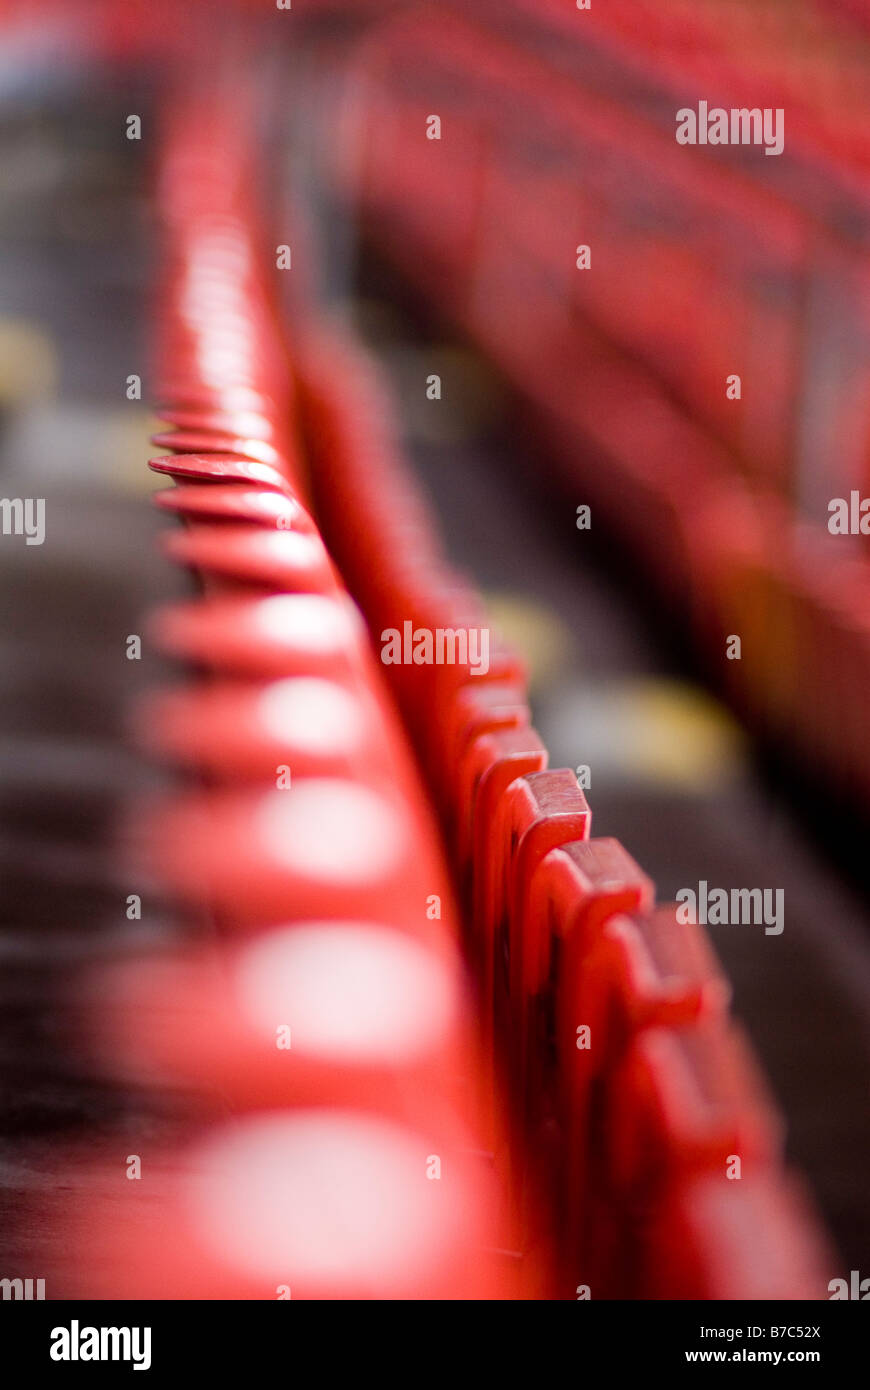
<point>699,268</point>
<point>352,1167</point>
<point>322,1036</point>
<point>485,223</point>
<point>808,57</point>
<point>635,1102</point>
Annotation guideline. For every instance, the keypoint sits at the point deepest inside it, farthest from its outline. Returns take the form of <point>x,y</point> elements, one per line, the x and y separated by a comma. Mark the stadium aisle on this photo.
<point>74,252</point>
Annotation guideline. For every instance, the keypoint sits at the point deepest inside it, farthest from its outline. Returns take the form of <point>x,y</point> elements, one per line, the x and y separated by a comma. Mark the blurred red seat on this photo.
<point>246,732</point>
<point>280,635</point>
<point>237,423</point>
<point>233,502</point>
<point>481,708</point>
<point>753,1239</point>
<point>328,847</point>
<point>318,1013</point>
<point>220,468</point>
<point>488,766</point>
<point>309,1203</point>
<point>188,441</point>
<point>682,1102</point>
<point>643,972</point>
<point>535,814</point>
<point>572,894</point>
<point>186,391</point>
<point>289,561</point>
<point>685,1100</point>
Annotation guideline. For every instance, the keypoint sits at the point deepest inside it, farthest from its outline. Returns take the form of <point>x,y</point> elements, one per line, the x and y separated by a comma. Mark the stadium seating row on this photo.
<point>634,1099</point>
<point>336,1138</point>
<point>601,1128</point>
<point>699,268</point>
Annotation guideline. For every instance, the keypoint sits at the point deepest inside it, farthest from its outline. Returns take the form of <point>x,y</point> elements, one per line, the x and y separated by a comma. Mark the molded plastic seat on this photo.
<point>237,423</point>
<point>209,442</point>
<point>682,1102</point>
<point>481,708</point>
<point>505,667</point>
<point>233,502</point>
<point>536,813</point>
<point>572,894</point>
<point>310,1203</point>
<point>221,468</point>
<point>319,1013</point>
<point>490,763</point>
<point>281,635</point>
<point>289,561</point>
<point>643,972</point>
<point>232,730</point>
<point>183,391</point>
<point>325,847</point>
<point>686,1100</point>
<point>753,1239</point>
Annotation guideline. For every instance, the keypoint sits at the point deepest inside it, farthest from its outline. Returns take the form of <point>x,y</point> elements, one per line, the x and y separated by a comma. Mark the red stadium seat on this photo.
<point>682,1102</point>
<point>209,442</point>
<point>220,468</point>
<point>571,1104</point>
<point>234,731</point>
<point>239,423</point>
<point>490,763</point>
<point>305,1203</point>
<point>481,708</point>
<point>572,895</point>
<point>753,1239</point>
<point>292,561</point>
<point>536,813</point>
<point>231,503</point>
<point>318,1013</point>
<point>687,1099</point>
<point>328,847</point>
<point>282,635</point>
<point>643,972</point>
